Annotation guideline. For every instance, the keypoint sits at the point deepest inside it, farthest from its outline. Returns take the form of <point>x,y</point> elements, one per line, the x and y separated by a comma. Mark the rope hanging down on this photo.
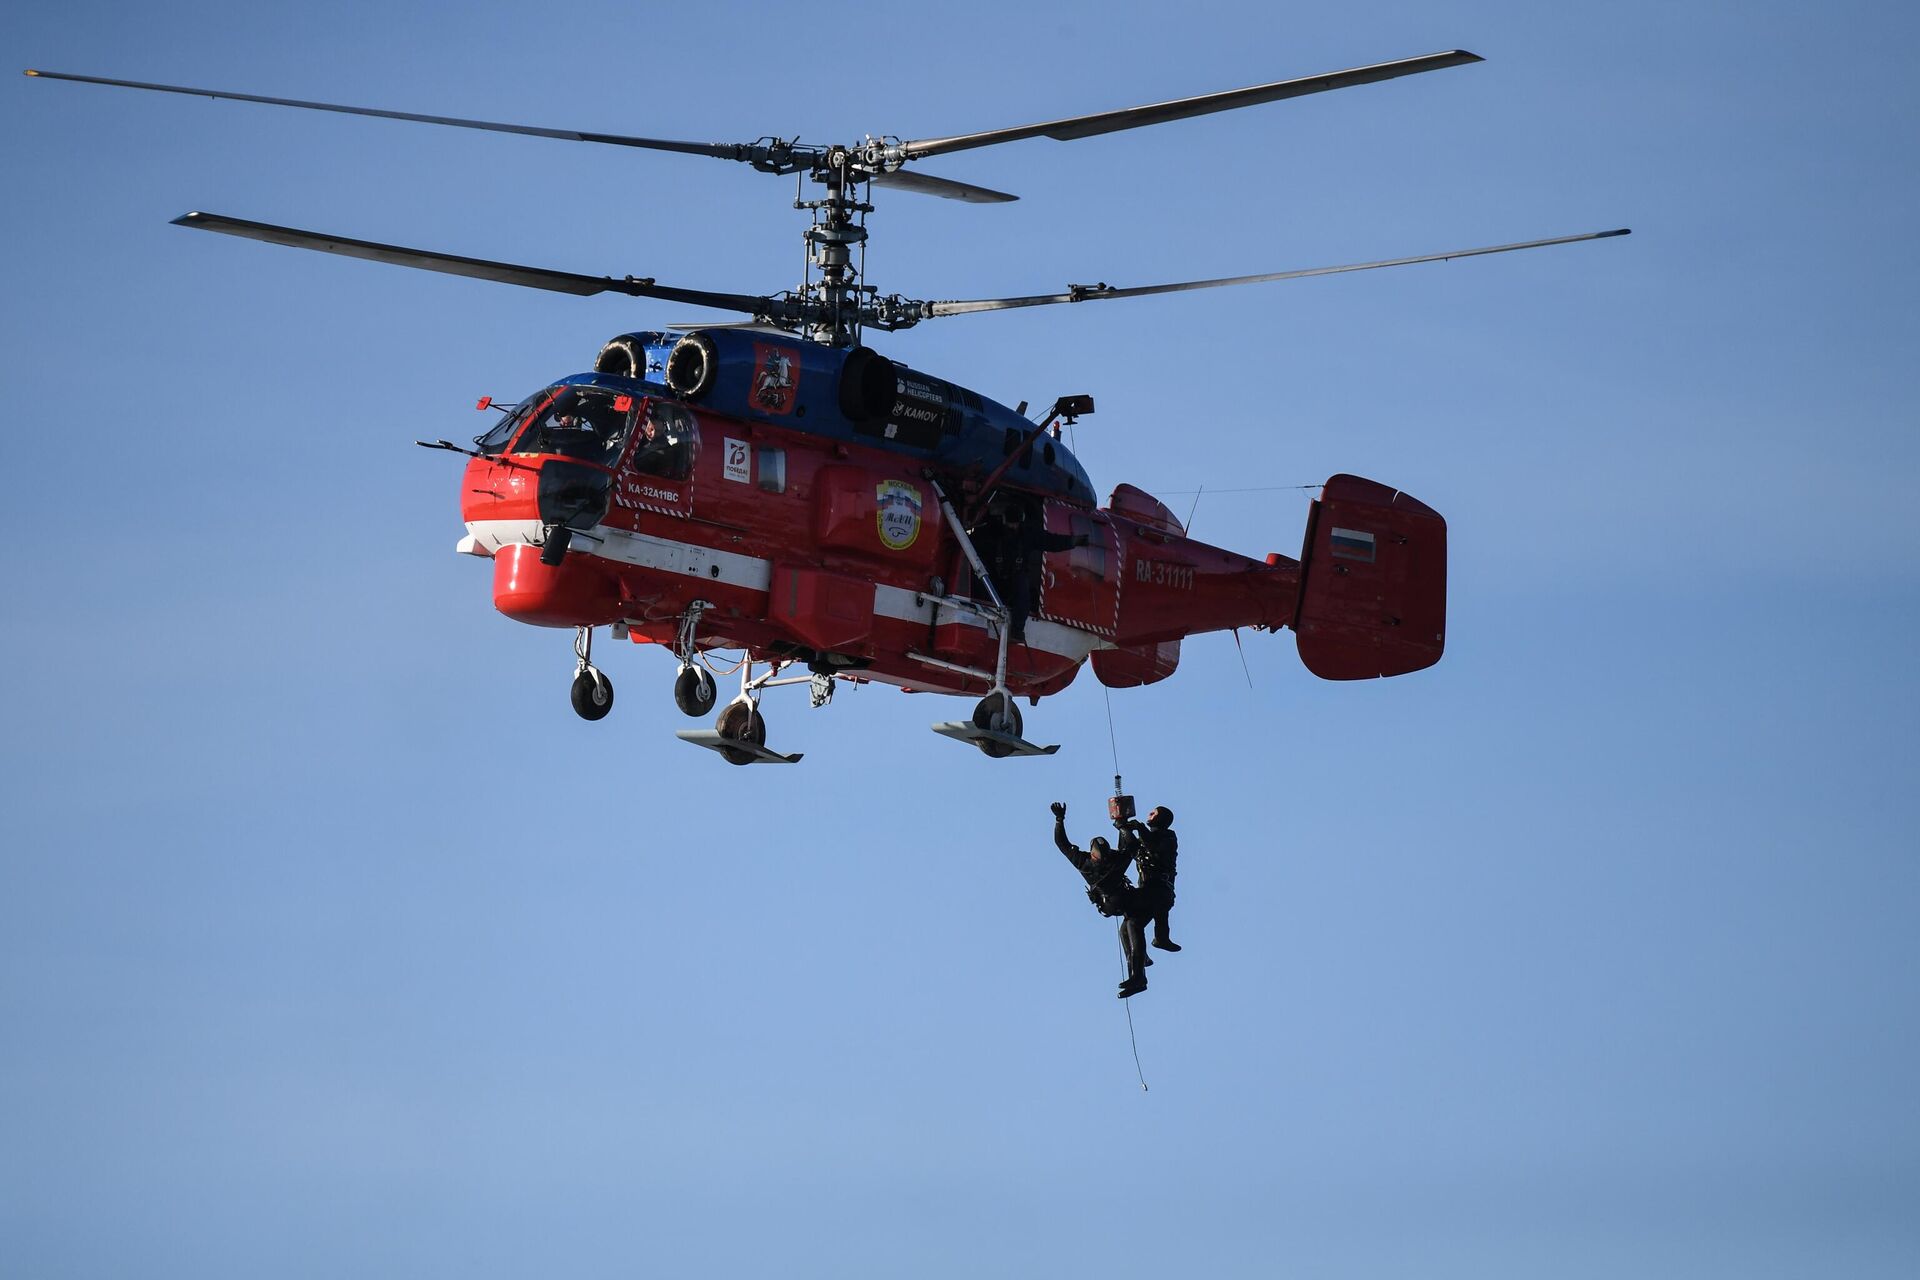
<point>1265,488</point>
<point>1132,1039</point>
<point>1112,741</point>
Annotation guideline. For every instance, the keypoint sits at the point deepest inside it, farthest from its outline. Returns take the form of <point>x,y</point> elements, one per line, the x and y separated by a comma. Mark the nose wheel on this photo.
<point>592,693</point>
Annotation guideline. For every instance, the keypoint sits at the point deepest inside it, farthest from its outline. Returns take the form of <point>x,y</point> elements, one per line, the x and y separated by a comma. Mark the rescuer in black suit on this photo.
<point>1104,867</point>
<point>1156,854</point>
<point>1015,540</point>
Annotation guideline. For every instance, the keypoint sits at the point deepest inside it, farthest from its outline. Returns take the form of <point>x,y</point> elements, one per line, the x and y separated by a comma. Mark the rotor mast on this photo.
<point>834,295</point>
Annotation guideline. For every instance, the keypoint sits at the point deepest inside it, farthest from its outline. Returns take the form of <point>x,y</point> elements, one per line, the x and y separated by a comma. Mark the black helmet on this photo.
<point>1160,818</point>
<point>1100,847</point>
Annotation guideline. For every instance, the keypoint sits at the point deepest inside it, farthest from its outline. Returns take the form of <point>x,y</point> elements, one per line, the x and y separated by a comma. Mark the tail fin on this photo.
<point>1373,583</point>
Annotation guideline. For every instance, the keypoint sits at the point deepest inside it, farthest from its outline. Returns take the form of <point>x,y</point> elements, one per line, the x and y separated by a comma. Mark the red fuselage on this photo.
<point>830,551</point>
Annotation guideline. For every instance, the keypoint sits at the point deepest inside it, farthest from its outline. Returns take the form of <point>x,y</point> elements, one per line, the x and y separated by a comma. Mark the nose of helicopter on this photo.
<point>555,491</point>
<point>506,502</point>
<point>573,494</point>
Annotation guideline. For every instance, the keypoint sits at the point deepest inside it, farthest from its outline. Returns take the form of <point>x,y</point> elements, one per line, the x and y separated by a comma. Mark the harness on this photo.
<point>1110,890</point>
<point>1106,893</point>
<point>1158,856</point>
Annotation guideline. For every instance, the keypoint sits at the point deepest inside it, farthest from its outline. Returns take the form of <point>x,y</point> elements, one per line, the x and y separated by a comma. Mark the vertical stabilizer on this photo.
<point>1373,583</point>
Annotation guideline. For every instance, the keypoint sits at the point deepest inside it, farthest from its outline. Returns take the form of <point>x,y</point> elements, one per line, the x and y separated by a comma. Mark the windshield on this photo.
<point>495,440</point>
<point>589,423</point>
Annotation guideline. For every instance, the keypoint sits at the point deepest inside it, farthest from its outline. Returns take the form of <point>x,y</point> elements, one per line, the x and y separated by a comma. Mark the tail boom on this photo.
<point>1367,597</point>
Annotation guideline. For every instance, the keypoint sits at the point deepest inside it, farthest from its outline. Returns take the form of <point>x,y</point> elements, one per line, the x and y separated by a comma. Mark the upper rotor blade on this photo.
<point>725,151</point>
<point>928,185</point>
<point>1181,108</point>
<point>1095,293</point>
<point>478,268</point>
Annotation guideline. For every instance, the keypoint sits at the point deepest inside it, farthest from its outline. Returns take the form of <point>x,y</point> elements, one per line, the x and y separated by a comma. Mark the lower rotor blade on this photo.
<point>927,185</point>
<point>1100,292</point>
<point>477,268</point>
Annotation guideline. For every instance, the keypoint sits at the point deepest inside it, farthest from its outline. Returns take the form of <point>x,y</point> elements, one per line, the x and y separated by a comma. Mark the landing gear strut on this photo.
<point>592,691</point>
<point>995,727</point>
<point>740,734</point>
<point>693,689</point>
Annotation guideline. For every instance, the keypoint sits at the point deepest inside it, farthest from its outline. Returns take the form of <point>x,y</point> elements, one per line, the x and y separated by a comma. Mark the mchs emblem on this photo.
<point>898,513</point>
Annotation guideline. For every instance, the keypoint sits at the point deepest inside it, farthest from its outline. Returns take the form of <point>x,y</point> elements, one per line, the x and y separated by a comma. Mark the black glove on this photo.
<point>1059,809</point>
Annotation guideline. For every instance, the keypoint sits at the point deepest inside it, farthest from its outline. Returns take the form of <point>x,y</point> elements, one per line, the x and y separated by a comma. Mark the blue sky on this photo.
<point>331,942</point>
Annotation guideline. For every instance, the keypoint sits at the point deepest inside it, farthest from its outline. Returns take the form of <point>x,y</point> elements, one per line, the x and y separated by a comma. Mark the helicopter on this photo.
<point>775,487</point>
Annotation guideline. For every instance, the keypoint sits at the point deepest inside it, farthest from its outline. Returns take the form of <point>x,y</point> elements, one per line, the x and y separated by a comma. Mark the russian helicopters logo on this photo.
<point>899,513</point>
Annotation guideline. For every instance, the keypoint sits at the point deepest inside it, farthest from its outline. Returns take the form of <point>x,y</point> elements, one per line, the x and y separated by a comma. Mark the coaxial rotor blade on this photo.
<point>1182,108</point>
<point>927,185</point>
<point>774,156</point>
<point>478,268</point>
<point>1100,292</point>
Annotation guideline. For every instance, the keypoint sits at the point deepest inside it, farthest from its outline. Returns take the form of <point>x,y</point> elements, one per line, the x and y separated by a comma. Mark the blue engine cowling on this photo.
<point>854,393</point>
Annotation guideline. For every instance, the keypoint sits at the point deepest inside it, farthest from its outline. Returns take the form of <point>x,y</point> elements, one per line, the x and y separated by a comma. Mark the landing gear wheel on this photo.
<point>693,691</point>
<point>741,721</point>
<point>592,695</point>
<point>997,712</point>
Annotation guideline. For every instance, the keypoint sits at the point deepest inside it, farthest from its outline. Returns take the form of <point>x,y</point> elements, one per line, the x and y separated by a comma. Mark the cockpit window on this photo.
<point>666,441</point>
<point>589,423</point>
<point>495,440</point>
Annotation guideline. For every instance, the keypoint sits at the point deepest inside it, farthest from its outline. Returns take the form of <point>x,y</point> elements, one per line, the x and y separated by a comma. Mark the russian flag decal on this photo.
<point>1352,544</point>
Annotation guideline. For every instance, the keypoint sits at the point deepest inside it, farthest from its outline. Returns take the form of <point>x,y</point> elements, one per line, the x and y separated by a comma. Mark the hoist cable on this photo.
<point>1264,488</point>
<point>1131,1038</point>
<point>1112,741</point>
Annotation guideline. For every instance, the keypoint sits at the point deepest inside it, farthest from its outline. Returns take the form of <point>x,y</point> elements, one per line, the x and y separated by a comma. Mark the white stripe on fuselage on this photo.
<point>731,568</point>
<point>1048,637</point>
